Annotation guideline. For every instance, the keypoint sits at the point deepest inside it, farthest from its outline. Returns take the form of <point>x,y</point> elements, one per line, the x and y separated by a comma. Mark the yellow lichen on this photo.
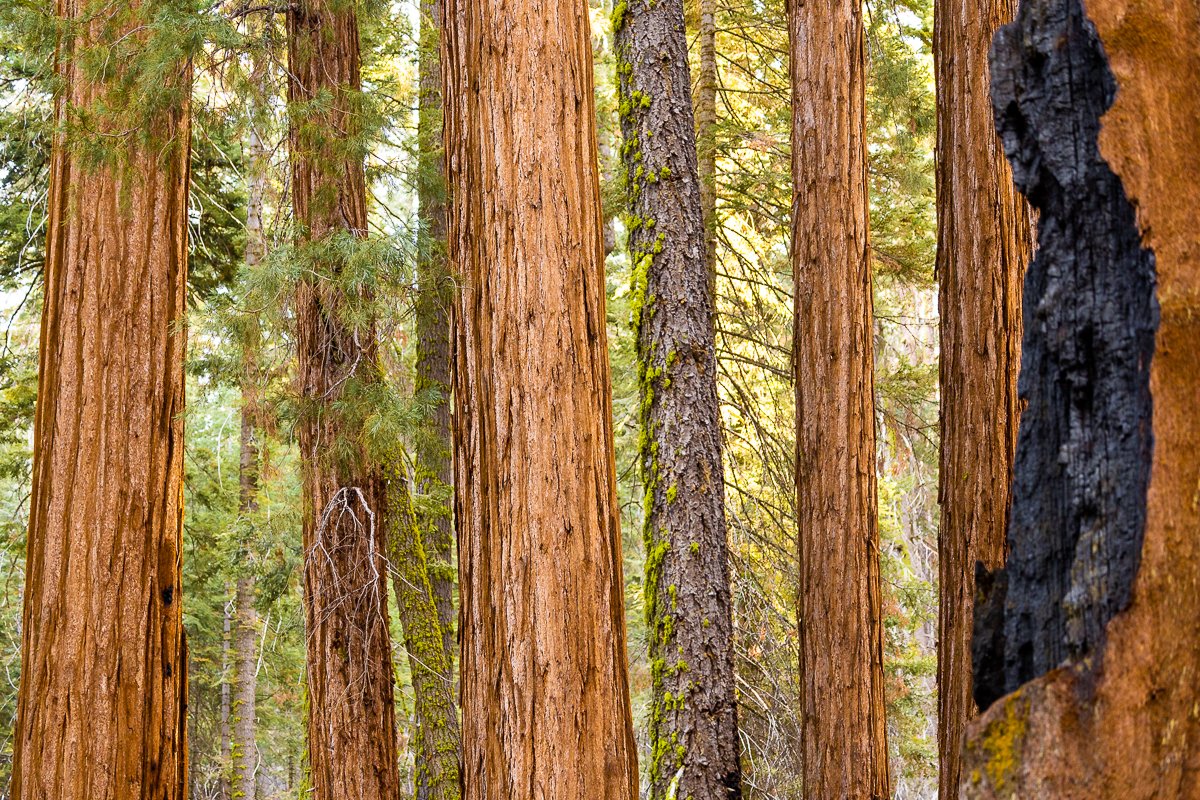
<point>1002,742</point>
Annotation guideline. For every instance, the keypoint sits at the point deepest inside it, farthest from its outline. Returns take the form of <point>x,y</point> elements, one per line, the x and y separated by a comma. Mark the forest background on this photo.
<point>754,334</point>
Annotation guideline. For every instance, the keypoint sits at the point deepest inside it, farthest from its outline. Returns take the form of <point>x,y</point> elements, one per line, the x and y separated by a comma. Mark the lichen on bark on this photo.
<point>694,749</point>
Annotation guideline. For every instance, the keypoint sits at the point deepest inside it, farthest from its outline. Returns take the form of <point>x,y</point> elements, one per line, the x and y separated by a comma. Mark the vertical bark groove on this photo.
<point>984,244</point>
<point>693,714</point>
<point>844,747</point>
<point>103,694</point>
<point>545,693</point>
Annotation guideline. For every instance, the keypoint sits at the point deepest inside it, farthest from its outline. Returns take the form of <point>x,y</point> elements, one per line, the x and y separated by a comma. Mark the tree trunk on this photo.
<point>1094,626</point>
<point>984,244</point>
<point>706,130</point>
<point>545,692</point>
<point>438,733</point>
<point>245,749</point>
<point>693,716</point>
<point>351,715</point>
<point>103,694</point>
<point>844,744</point>
<point>225,712</point>
<point>434,299</point>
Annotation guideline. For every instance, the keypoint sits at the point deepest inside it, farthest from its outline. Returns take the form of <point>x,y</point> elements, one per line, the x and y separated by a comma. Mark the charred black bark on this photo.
<point>1083,452</point>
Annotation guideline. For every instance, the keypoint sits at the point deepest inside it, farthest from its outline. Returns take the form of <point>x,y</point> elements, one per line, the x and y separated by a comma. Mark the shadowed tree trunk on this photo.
<point>351,716</point>
<point>103,694</point>
<point>1093,629</point>
<point>984,244</point>
<point>438,735</point>
<point>545,693</point>
<point>693,715</point>
<point>434,299</point>
<point>844,745</point>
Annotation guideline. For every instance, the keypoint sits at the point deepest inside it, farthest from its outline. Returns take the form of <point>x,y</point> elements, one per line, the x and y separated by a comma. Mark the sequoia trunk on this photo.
<point>545,693</point>
<point>103,694</point>
<point>844,745</point>
<point>351,716</point>
<point>984,244</point>
<point>693,716</point>
<point>1093,628</point>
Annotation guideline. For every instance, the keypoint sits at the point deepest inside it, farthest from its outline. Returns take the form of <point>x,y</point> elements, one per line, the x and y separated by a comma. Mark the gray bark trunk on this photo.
<point>438,738</point>
<point>244,747</point>
<point>434,298</point>
<point>693,721</point>
<point>706,129</point>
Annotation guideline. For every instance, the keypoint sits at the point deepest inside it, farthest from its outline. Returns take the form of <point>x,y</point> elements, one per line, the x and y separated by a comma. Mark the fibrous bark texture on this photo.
<point>103,694</point>
<point>706,129</point>
<point>844,746</point>
<point>432,679</point>
<point>434,299</point>
<point>1083,457</point>
<point>984,245</point>
<point>1121,721</point>
<point>545,691</point>
<point>351,716</point>
<point>693,714</point>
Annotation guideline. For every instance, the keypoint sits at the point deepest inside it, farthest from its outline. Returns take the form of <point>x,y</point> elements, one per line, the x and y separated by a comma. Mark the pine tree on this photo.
<point>706,128</point>
<point>245,636</point>
<point>693,717</point>
<point>104,661</point>
<point>545,693</point>
<point>245,706</point>
<point>438,731</point>
<point>435,296</point>
<point>1084,639</point>
<point>351,717</point>
<point>984,244</point>
<point>841,628</point>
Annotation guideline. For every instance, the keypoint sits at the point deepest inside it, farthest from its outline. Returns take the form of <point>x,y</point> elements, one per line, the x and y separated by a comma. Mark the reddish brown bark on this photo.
<point>844,745</point>
<point>545,693</point>
<point>351,716</point>
<point>984,244</point>
<point>103,695</point>
<point>1122,722</point>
